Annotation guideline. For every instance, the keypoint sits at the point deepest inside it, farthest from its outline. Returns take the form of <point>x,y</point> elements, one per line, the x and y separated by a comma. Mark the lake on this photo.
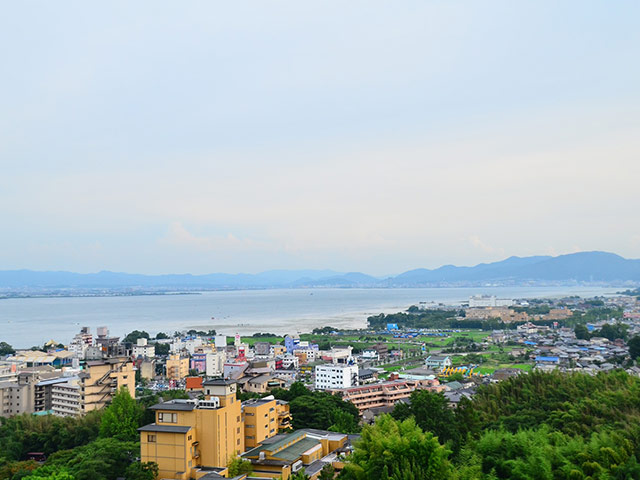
<point>25,322</point>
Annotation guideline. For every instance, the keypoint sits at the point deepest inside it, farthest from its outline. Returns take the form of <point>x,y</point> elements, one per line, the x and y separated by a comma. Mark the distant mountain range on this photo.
<point>583,267</point>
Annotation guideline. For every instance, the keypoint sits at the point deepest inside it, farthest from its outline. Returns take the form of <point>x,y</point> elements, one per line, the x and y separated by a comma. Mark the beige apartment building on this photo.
<point>19,396</point>
<point>101,379</point>
<point>177,367</point>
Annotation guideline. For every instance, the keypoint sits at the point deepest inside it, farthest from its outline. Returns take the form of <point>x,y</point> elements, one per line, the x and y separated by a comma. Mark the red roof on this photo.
<point>194,383</point>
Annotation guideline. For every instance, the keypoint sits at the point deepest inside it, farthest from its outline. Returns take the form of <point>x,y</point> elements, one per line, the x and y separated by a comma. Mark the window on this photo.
<point>167,417</point>
<point>151,438</point>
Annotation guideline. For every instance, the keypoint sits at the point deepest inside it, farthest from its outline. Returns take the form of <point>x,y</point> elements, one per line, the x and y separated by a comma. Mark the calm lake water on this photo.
<point>33,321</point>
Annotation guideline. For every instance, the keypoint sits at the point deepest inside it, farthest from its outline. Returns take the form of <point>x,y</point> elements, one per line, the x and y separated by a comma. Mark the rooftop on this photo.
<point>219,381</point>
<point>179,405</point>
<point>164,428</point>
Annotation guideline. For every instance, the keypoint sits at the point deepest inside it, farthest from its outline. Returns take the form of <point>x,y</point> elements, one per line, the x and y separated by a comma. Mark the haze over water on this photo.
<point>32,321</point>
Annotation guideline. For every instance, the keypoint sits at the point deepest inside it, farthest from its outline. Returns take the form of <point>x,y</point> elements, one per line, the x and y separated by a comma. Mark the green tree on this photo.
<point>238,466</point>
<point>612,332</point>
<point>49,473</point>
<point>344,422</point>
<point>142,471</point>
<point>432,414</point>
<point>582,332</point>
<point>327,472</point>
<point>634,347</point>
<point>399,449</point>
<point>121,418</point>
<point>6,349</point>
<point>162,336</point>
<point>102,459</point>
<point>162,349</point>
<point>135,335</point>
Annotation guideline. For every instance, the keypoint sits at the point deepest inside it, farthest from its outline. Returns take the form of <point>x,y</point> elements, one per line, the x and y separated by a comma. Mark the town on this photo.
<point>221,398</point>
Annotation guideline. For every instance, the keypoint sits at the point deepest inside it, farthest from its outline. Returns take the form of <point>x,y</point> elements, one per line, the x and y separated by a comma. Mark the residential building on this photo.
<point>147,368</point>
<point>385,394</point>
<point>275,350</point>
<point>101,380</point>
<point>264,418</point>
<point>382,349</point>
<point>215,363</point>
<point>66,398</point>
<point>19,396</point>
<point>143,349</point>
<point>437,362</point>
<point>263,384</point>
<point>177,366</point>
<point>43,401</point>
<point>332,376</point>
<point>191,438</point>
<point>80,342</point>
<point>186,343</point>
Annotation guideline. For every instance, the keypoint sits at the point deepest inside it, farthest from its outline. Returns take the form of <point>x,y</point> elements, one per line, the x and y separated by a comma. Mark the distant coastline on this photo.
<point>16,295</point>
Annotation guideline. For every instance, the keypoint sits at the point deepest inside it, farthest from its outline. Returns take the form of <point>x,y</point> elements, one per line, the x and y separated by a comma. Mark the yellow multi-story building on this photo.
<point>192,438</point>
<point>264,418</point>
<point>177,367</point>
<point>100,381</point>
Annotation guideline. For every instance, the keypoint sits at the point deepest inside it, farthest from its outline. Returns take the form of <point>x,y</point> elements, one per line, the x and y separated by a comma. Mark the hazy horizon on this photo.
<point>370,136</point>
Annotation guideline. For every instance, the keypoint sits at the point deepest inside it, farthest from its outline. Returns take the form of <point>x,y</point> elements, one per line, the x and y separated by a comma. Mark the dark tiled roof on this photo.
<point>173,405</point>
<point>153,427</point>
<point>219,381</point>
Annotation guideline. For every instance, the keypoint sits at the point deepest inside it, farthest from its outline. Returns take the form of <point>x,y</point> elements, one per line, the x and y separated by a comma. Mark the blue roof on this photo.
<point>529,343</point>
<point>547,359</point>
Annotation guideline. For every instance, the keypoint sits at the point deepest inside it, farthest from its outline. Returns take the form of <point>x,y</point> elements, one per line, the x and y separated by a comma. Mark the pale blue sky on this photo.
<point>367,135</point>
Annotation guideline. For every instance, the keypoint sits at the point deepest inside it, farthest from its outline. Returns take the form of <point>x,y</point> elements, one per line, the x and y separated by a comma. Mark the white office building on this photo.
<point>332,376</point>
<point>143,349</point>
<point>489,301</point>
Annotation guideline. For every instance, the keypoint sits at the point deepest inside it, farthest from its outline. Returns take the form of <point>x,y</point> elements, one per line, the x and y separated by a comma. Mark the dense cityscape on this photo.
<point>200,404</point>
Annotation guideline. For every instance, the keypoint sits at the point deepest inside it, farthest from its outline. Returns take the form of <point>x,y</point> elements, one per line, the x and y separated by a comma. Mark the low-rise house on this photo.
<point>437,362</point>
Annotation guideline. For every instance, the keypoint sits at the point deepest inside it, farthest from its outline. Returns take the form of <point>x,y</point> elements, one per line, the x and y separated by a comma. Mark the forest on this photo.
<point>540,426</point>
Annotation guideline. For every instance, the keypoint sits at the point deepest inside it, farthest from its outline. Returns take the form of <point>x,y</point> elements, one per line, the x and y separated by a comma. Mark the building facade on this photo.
<point>332,376</point>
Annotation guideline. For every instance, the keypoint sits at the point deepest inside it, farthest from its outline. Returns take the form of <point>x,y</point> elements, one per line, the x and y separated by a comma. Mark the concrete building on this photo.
<point>81,342</point>
<point>192,438</point>
<point>215,363</point>
<point>332,376</point>
<point>489,301</point>
<point>283,455</point>
<point>385,394</point>
<point>143,349</point>
<point>190,344</point>
<point>101,380</point>
<point>264,418</point>
<point>177,367</point>
<point>19,396</point>
<point>66,398</point>
<point>43,401</point>
<point>147,368</point>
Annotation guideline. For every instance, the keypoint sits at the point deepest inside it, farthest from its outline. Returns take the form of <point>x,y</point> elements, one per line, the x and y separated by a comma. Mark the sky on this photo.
<point>374,136</point>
